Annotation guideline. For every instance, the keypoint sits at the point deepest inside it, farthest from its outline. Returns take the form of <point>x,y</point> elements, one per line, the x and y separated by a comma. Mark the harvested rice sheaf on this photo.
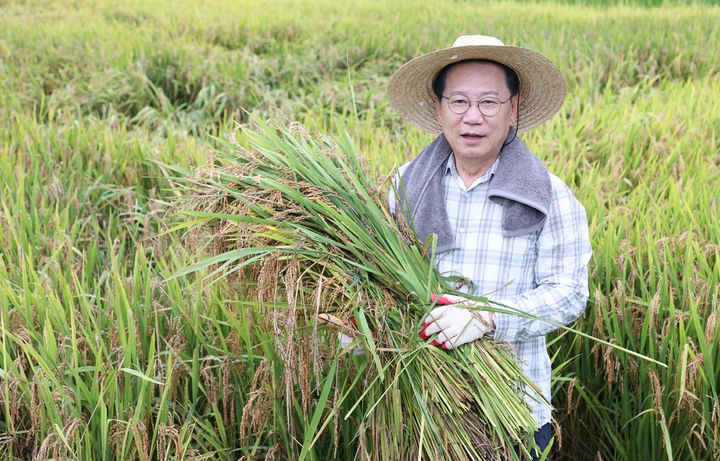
<point>300,218</point>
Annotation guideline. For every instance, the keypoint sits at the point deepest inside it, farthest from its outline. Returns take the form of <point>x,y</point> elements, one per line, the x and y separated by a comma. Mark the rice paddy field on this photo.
<point>110,348</point>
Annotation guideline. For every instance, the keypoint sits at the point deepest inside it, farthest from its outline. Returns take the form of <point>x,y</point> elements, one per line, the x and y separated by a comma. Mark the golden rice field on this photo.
<point>111,347</point>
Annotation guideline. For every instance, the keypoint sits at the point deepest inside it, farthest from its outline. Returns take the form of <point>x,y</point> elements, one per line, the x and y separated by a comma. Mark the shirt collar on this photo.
<point>452,170</point>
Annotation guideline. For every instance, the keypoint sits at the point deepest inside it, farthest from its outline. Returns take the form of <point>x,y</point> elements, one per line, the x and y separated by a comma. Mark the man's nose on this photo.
<point>473,114</point>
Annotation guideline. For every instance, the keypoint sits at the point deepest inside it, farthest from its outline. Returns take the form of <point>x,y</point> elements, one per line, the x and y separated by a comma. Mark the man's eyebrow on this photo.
<point>484,93</point>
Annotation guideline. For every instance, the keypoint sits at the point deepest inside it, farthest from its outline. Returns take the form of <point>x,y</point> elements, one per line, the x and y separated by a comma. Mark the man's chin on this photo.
<point>472,154</point>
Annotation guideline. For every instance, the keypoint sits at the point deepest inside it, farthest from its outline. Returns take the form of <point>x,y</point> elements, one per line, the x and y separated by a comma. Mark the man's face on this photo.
<point>476,140</point>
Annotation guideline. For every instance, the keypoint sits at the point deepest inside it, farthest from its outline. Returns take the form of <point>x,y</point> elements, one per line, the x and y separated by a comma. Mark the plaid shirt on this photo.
<point>543,273</point>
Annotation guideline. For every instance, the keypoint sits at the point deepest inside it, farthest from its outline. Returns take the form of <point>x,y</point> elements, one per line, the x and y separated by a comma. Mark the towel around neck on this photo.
<point>521,184</point>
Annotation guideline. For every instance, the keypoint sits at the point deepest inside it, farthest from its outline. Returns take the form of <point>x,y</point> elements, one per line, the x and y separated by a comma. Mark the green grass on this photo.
<point>105,356</point>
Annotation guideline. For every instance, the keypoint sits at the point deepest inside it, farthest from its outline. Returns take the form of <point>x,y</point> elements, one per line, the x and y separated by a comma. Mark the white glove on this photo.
<point>454,324</point>
<point>346,341</point>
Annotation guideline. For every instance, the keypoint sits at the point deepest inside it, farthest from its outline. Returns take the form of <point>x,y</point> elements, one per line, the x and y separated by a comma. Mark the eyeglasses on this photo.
<point>488,106</point>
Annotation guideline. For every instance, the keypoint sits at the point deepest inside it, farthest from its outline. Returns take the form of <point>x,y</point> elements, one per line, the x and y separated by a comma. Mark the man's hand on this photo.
<point>454,323</point>
<point>347,332</point>
<point>346,341</point>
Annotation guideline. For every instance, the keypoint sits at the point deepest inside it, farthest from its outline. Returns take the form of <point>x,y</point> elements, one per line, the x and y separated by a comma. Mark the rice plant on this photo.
<point>105,356</point>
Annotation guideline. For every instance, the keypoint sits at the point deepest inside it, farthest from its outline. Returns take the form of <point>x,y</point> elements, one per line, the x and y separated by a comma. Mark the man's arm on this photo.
<point>561,273</point>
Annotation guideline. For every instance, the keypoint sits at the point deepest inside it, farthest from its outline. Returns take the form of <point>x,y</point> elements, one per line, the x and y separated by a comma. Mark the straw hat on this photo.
<point>542,86</point>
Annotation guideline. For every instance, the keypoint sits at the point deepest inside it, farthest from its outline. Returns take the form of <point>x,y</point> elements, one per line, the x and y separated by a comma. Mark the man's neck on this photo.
<point>469,172</point>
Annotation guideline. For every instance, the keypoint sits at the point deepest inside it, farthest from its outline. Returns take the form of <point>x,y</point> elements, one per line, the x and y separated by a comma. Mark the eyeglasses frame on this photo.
<point>476,103</point>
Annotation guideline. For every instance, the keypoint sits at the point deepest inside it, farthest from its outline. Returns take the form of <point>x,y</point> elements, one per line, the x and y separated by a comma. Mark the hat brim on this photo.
<point>542,86</point>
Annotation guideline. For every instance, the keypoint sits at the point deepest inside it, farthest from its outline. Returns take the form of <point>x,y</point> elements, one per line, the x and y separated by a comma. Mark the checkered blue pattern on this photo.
<point>543,273</point>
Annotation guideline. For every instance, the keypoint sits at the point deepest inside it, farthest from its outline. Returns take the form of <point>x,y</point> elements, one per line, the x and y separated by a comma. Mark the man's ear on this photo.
<point>515,101</point>
<point>437,105</point>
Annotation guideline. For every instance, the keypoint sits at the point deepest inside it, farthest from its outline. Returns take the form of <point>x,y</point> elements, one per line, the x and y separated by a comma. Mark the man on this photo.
<point>501,219</point>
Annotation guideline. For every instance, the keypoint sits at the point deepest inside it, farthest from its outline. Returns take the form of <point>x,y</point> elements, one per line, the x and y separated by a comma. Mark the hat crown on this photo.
<point>476,40</point>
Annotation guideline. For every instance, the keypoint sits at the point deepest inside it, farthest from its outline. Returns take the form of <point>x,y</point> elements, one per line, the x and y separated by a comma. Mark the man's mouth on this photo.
<point>471,136</point>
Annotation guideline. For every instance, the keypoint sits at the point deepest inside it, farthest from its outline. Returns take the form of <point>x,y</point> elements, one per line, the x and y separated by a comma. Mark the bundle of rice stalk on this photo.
<point>303,217</point>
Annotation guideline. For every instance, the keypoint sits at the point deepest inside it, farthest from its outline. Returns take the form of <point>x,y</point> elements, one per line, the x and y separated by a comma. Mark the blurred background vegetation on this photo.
<point>104,357</point>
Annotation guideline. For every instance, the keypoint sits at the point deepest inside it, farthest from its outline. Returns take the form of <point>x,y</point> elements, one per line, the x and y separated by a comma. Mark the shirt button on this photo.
<point>462,230</point>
